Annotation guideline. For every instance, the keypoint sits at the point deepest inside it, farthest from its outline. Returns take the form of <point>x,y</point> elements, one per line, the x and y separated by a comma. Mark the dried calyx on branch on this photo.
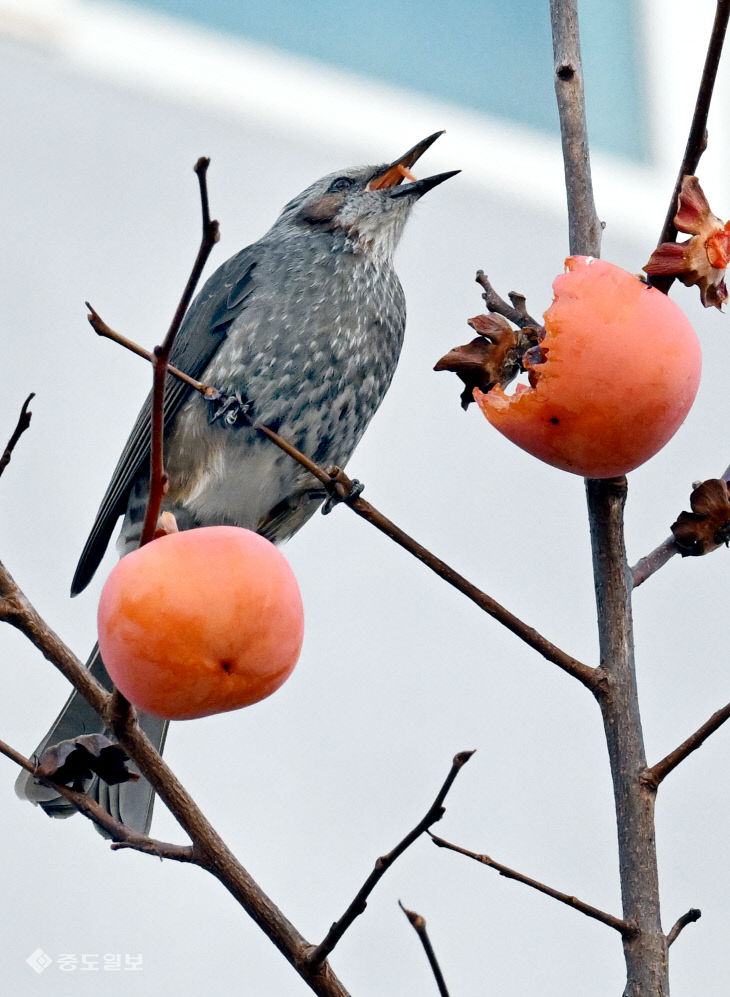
<point>496,356</point>
<point>707,527</point>
<point>702,259</point>
<point>74,762</point>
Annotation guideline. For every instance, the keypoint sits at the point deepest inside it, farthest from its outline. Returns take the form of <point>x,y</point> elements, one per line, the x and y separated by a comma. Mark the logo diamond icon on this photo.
<point>39,960</point>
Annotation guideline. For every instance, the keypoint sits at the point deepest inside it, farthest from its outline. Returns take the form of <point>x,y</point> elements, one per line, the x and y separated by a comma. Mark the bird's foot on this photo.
<point>341,489</point>
<point>232,410</point>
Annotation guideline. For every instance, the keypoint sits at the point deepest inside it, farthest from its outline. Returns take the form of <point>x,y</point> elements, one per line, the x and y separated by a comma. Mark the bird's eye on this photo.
<point>341,183</point>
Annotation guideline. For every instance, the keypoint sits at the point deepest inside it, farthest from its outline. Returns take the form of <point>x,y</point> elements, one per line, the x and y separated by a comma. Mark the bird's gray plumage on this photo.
<point>307,325</point>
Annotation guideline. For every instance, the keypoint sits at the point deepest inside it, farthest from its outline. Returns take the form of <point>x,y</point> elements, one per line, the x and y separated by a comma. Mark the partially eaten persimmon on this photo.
<point>612,380</point>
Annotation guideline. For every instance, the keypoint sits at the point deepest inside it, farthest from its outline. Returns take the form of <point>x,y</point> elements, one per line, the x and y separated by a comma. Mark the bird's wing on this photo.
<point>221,300</point>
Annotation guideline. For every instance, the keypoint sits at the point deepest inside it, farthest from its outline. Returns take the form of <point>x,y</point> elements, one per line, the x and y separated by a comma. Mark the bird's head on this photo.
<point>368,204</point>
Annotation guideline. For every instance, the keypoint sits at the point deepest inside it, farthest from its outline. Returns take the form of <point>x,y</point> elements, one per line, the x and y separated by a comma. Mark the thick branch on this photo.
<point>697,138</point>
<point>435,812</point>
<point>22,424</point>
<point>211,852</point>
<point>418,922</point>
<point>214,855</point>
<point>645,951</point>
<point>657,773</point>
<point>583,223</point>
<point>623,927</point>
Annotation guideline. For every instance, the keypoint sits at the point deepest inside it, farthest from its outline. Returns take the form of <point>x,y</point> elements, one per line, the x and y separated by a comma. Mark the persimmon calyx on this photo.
<point>704,258</point>
<point>495,357</point>
<point>707,526</point>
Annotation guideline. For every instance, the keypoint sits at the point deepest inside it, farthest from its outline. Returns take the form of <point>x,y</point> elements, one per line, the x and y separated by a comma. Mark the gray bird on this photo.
<point>307,325</point>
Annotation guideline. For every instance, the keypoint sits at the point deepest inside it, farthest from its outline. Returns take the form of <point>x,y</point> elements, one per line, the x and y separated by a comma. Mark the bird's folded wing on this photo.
<point>220,302</point>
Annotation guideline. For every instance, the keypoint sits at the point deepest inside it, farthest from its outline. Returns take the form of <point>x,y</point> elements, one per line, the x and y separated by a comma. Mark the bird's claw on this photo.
<point>335,497</point>
<point>232,410</point>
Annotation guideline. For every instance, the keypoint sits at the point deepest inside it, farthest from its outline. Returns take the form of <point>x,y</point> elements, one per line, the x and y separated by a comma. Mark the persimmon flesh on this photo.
<point>200,622</point>
<point>620,373</point>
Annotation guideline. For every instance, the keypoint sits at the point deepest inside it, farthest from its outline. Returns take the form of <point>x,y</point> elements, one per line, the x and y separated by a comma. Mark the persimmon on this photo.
<point>611,381</point>
<point>200,622</point>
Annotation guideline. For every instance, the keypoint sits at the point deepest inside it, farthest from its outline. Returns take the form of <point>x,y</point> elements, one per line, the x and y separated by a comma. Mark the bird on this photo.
<point>306,325</point>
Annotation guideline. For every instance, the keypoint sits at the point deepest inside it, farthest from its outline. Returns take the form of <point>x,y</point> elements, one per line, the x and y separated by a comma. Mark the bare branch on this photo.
<point>692,915</point>
<point>100,327</point>
<point>435,812</point>
<point>645,945</point>
<point>210,851</point>
<point>697,138</point>
<point>22,424</point>
<point>516,312</point>
<point>657,773</point>
<point>646,566</point>
<point>337,482</point>
<point>583,222</point>
<point>623,927</point>
<point>158,478</point>
<point>419,925</point>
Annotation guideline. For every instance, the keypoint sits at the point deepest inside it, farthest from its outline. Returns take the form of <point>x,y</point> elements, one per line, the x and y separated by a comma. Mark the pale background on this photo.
<point>105,110</point>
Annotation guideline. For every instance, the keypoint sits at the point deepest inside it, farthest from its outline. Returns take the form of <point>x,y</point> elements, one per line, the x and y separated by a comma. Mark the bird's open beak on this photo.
<point>400,170</point>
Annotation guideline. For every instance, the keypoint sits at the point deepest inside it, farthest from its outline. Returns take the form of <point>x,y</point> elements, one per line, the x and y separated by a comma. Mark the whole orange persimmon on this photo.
<point>200,622</point>
<point>612,380</point>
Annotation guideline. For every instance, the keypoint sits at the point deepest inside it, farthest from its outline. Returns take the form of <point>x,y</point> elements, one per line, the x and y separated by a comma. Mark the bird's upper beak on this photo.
<point>399,170</point>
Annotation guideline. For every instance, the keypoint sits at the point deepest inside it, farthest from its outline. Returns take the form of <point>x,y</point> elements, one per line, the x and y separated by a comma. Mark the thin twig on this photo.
<point>697,138</point>
<point>648,565</point>
<point>657,773</point>
<point>692,915</point>
<point>418,923</point>
<point>434,813</point>
<point>623,927</point>
<point>23,423</point>
<point>158,478</point>
<point>583,223</point>
<point>516,312</point>
<point>101,328</point>
<point>337,481</point>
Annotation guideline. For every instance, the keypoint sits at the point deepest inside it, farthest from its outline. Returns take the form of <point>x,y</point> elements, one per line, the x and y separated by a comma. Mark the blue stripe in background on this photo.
<point>486,55</point>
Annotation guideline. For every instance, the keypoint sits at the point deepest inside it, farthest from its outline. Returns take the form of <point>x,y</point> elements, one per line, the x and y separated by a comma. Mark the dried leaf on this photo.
<point>707,527</point>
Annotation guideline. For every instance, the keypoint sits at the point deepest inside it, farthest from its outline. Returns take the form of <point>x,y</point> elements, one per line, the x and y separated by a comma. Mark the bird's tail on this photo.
<point>129,802</point>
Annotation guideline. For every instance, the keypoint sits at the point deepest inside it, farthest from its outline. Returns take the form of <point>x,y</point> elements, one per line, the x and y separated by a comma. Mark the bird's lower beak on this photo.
<point>419,187</point>
<point>400,170</point>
